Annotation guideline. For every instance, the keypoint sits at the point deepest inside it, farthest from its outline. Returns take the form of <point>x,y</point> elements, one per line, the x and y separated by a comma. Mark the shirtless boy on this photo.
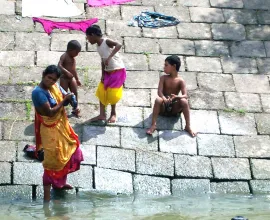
<point>67,64</point>
<point>169,102</point>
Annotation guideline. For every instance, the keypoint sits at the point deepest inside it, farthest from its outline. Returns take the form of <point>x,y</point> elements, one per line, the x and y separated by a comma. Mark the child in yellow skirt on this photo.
<point>110,88</point>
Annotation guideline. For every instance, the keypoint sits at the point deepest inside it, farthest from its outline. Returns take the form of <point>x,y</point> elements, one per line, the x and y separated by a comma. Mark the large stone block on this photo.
<point>230,187</point>
<point>7,41</point>
<point>240,16</point>
<point>112,12</point>
<point>177,142</point>
<point>25,75</point>
<point>135,62</point>
<point>115,158</point>
<point>17,58</point>
<point>136,98</point>
<point>16,192</point>
<point>141,45</point>
<point>260,168</point>
<point>32,41</point>
<point>82,178</point>
<point>227,3</point>
<point>45,58</point>
<point>239,65</point>
<point>137,139</point>
<point>263,123</point>
<point>195,3</point>
<point>8,150</point>
<point>7,8</point>
<point>156,62</point>
<point>60,41</point>
<point>215,145</point>
<point>264,65</point>
<point>89,60</point>
<point>20,130</point>
<point>13,110</point>
<point>95,135</point>
<point>120,28</point>
<point>263,17</point>
<point>267,47</point>
<point>149,185</point>
<point>12,93</point>
<point>176,46</point>
<point>190,80</point>
<point>211,48</point>
<point>21,172</point>
<point>89,154</point>
<point>242,101</point>
<point>235,32</point>
<point>231,168</point>
<point>154,163</point>
<point>237,123</point>
<point>194,31</point>
<point>203,64</point>
<point>260,186</point>
<point>140,79</point>
<point>192,166</point>
<point>161,2</point>
<point>15,24</point>
<point>179,12</point>
<point>265,98</point>
<point>5,173</point>
<point>257,4</point>
<point>206,15</point>
<point>128,12</point>
<point>113,181</point>
<point>215,82</point>
<point>260,32</point>
<point>4,74</point>
<point>187,186</point>
<point>248,49</point>
<point>165,32</point>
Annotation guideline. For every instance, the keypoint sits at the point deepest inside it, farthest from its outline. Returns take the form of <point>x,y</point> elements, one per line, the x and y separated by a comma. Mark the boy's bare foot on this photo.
<point>112,119</point>
<point>151,130</point>
<point>191,133</point>
<point>76,112</point>
<point>98,118</point>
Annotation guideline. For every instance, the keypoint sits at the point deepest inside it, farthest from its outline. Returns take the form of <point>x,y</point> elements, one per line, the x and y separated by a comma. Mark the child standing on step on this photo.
<point>110,88</point>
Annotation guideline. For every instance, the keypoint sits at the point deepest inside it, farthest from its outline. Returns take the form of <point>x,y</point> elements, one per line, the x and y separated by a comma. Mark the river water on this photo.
<point>100,206</point>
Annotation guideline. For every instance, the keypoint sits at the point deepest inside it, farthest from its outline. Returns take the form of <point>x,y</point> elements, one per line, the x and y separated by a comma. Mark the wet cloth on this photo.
<point>110,91</point>
<point>97,3</point>
<point>154,20</point>
<point>49,25</point>
<point>58,140</point>
<point>49,8</point>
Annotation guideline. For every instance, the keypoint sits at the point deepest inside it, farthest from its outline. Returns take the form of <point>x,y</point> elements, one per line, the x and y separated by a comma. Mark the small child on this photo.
<point>169,103</point>
<point>110,88</point>
<point>67,64</point>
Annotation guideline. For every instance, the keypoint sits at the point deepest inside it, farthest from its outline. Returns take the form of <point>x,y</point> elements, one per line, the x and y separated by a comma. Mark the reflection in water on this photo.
<point>97,206</point>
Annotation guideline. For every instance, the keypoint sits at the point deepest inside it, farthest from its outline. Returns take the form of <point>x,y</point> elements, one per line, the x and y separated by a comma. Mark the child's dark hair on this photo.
<point>52,69</point>
<point>94,30</point>
<point>74,45</point>
<point>174,60</point>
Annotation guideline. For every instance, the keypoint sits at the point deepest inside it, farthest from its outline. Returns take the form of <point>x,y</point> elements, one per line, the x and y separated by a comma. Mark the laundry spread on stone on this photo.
<point>98,3</point>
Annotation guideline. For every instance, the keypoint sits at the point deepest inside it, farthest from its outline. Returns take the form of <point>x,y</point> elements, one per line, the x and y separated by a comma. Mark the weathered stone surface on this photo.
<point>136,138</point>
<point>265,102</point>
<point>25,75</point>
<point>176,46</point>
<point>7,41</point>
<point>7,8</point>
<point>251,83</point>
<point>5,173</point>
<point>112,12</point>
<point>12,93</point>
<point>264,65</point>
<point>60,41</point>
<point>128,12</point>
<point>21,173</point>
<point>113,181</point>
<point>231,168</point>
<point>227,3</point>
<point>4,74</point>
<point>242,101</point>
<point>8,149</point>
<point>267,48</point>
<point>155,163</point>
<point>13,110</point>
<point>82,178</point>
<point>89,154</point>
<point>260,186</point>
<point>239,65</point>
<point>156,62</point>
<point>192,166</point>
<point>141,45</point>
<point>206,100</point>
<point>210,48</point>
<point>260,32</point>
<point>215,145</point>
<point>215,82</point>
<point>203,64</point>
<point>206,15</point>
<point>260,168</point>
<point>135,62</point>
<point>263,123</point>
<point>179,12</point>
<point>149,185</point>
<point>88,60</point>
<point>87,95</point>
<point>45,58</point>
<point>18,8</point>
<point>177,142</point>
<point>129,116</point>
<point>107,136</point>
<point>190,80</point>
<point>166,32</point>
<point>140,79</point>
<point>120,28</point>
<point>228,32</point>
<point>195,3</point>
<point>11,23</point>
<point>161,2</point>
<point>230,187</point>
<point>16,192</point>
<point>194,31</point>
<point>21,155</point>
<point>240,16</point>
<point>237,124</point>
<point>136,97</point>
<point>16,58</point>
<point>200,118</point>
<point>115,158</point>
<point>32,41</point>
<point>184,186</point>
<point>257,4</point>
<point>19,130</point>
<point>263,17</point>
<point>248,49</point>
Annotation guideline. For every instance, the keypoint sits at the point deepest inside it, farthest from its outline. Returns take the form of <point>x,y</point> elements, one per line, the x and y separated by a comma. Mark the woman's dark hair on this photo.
<point>52,69</point>
<point>94,30</point>
<point>174,60</point>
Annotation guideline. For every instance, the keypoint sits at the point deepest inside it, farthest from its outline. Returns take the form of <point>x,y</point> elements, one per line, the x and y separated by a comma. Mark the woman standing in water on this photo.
<point>53,132</point>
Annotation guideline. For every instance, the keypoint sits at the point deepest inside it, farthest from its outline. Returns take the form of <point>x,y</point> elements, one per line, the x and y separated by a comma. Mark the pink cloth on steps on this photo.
<point>106,2</point>
<point>49,25</point>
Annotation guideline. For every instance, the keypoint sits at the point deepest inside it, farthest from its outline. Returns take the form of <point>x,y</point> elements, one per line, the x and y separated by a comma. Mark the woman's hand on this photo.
<point>68,96</point>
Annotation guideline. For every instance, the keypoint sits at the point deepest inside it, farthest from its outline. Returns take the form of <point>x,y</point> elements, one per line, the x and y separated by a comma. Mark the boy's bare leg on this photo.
<point>101,116</point>
<point>158,108</point>
<point>112,118</point>
<point>47,193</point>
<point>73,87</point>
<point>64,83</point>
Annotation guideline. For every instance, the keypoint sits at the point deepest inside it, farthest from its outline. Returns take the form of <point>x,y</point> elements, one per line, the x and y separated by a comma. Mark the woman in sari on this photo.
<point>53,132</point>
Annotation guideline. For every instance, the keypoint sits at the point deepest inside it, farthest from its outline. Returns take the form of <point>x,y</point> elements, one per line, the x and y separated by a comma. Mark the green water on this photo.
<point>87,205</point>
